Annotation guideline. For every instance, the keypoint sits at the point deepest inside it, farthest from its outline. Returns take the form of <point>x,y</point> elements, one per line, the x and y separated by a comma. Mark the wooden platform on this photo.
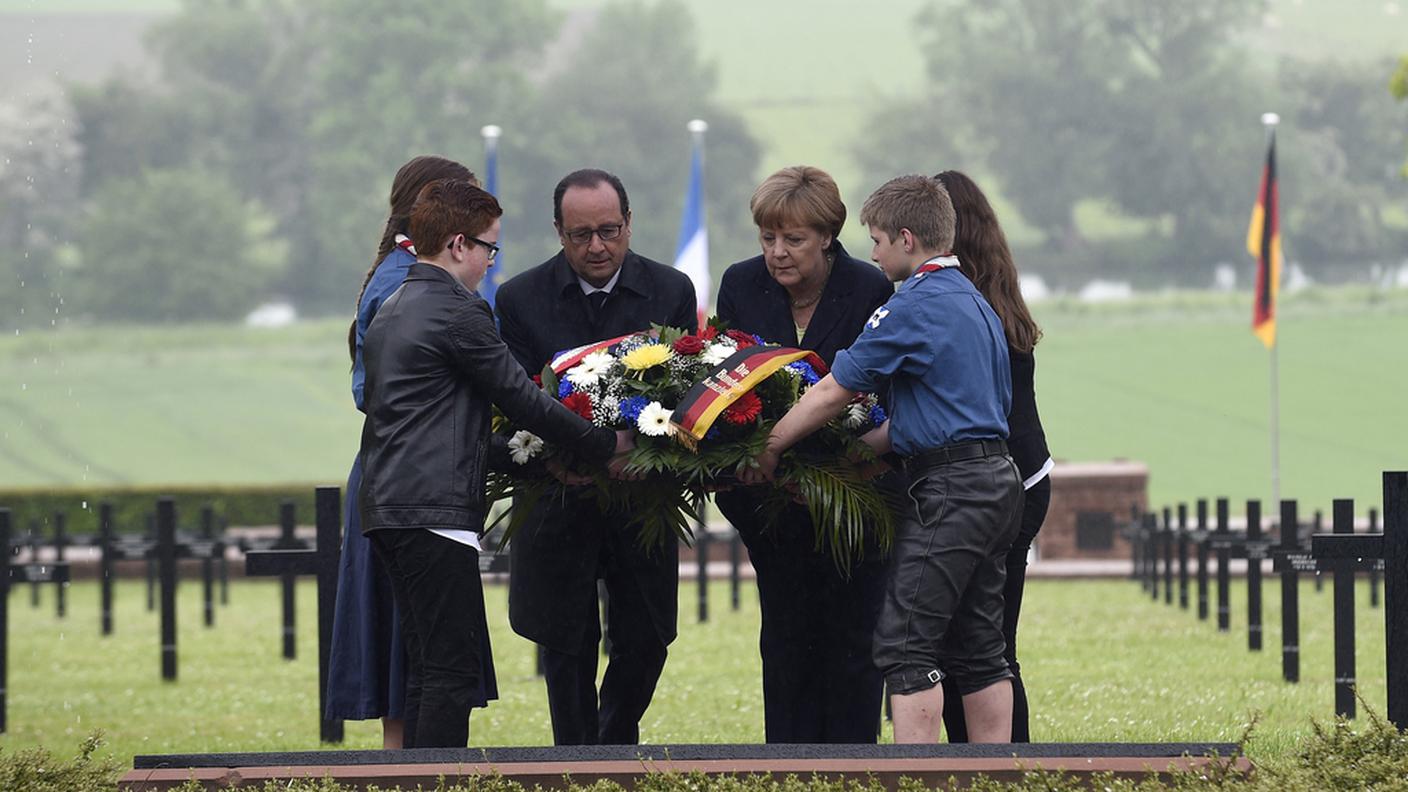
<point>935,765</point>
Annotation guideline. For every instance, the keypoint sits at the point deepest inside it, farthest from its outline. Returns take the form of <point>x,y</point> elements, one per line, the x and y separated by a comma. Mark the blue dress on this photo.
<point>367,661</point>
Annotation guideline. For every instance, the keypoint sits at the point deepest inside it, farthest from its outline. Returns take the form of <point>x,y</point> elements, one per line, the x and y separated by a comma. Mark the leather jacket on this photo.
<point>435,364</point>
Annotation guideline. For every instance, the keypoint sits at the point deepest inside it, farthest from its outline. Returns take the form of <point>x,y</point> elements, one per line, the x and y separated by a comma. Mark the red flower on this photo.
<point>709,332</point>
<point>745,410</point>
<point>744,340</point>
<point>538,380</point>
<point>689,345</point>
<point>579,403</point>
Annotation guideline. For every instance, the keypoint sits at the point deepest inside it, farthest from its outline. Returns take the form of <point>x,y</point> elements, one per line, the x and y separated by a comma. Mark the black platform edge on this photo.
<point>702,752</point>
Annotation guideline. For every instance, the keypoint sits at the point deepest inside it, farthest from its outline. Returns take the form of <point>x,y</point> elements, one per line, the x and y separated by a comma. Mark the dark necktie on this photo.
<point>597,299</point>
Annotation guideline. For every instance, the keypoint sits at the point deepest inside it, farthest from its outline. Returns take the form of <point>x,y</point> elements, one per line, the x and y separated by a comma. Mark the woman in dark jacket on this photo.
<point>819,682</point>
<point>367,664</point>
<point>984,257</point>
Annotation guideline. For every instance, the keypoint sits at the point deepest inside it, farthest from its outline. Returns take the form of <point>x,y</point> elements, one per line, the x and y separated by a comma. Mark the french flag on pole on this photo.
<point>491,134</point>
<point>692,252</point>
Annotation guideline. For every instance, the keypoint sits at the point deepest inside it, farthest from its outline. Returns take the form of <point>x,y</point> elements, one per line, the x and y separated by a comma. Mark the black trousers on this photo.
<point>820,684</point>
<point>942,615</point>
<point>1033,515</point>
<point>436,584</point>
<point>635,658</point>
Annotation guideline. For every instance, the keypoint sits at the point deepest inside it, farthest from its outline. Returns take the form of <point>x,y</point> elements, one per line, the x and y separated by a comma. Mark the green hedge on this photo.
<point>237,505</point>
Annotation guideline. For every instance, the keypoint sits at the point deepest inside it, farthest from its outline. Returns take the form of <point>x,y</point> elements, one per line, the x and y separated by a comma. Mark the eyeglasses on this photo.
<point>606,233</point>
<point>490,246</point>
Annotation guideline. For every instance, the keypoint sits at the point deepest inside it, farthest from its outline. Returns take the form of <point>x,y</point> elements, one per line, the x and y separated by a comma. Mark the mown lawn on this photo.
<point>1101,661</point>
<point>1174,380</point>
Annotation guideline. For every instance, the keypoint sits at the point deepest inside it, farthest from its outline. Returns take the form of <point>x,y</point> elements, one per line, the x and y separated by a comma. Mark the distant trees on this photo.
<point>1148,109</point>
<point>1398,85</point>
<point>276,125</point>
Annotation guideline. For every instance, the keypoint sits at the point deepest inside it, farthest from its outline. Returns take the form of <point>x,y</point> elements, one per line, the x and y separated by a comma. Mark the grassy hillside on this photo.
<point>1176,381</point>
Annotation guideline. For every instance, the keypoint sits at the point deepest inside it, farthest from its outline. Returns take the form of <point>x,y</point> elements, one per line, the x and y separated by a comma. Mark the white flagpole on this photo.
<point>1269,121</point>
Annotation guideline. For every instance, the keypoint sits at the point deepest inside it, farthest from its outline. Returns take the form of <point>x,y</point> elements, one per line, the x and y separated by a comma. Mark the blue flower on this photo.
<point>713,433</point>
<point>564,388</point>
<point>759,339</point>
<point>877,415</point>
<point>806,371</point>
<point>631,407</point>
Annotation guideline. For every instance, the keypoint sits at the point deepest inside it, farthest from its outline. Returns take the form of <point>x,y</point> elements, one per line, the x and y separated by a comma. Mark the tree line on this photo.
<point>253,155</point>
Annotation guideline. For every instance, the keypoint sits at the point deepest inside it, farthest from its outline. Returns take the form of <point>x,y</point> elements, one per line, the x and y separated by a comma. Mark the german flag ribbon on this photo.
<point>737,375</point>
<point>565,360</point>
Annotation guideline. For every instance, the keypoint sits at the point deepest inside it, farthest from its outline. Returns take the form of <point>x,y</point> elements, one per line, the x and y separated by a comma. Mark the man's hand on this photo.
<point>625,441</point>
<point>625,444</point>
<point>567,477</point>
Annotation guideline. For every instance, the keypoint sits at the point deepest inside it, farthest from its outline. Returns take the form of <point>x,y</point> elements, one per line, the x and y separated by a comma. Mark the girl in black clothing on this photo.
<point>984,257</point>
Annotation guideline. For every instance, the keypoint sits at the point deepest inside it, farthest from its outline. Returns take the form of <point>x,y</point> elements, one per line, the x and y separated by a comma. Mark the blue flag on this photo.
<point>692,252</point>
<point>490,284</point>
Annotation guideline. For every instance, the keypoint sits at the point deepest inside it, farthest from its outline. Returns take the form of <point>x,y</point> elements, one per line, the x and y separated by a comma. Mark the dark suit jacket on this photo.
<point>750,300</point>
<point>552,589</point>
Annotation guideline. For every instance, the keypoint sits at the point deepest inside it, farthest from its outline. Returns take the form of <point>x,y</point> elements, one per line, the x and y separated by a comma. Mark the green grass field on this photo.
<point>1176,381</point>
<point>1102,663</point>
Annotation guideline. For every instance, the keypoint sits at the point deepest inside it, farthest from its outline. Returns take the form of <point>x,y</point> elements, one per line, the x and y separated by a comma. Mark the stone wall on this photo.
<point>1090,504</point>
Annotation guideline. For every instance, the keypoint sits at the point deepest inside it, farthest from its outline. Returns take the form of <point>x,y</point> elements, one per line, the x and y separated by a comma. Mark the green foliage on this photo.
<point>1398,86</point>
<point>37,770</point>
<point>39,183</point>
<point>618,96</point>
<point>132,506</point>
<point>1150,110</point>
<point>1338,163</point>
<point>175,245</point>
<point>309,108</point>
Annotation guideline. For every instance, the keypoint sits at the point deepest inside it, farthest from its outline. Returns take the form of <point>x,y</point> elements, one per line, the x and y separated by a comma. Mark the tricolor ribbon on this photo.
<point>565,360</point>
<point>737,375</point>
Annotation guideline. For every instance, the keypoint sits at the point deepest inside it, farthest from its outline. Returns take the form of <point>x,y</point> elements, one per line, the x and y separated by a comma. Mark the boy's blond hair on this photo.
<point>918,203</point>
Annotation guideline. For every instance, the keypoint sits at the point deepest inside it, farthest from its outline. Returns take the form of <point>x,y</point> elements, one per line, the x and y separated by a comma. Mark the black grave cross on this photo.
<point>1255,548</point>
<point>1201,542</point>
<point>1166,549</point>
<point>1224,567</point>
<point>1345,553</point>
<point>1290,590</point>
<point>321,560</point>
<point>33,573</point>
<point>1183,556</point>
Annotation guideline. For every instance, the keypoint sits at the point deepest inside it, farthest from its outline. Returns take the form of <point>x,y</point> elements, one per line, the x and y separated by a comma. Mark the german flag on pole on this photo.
<point>1264,243</point>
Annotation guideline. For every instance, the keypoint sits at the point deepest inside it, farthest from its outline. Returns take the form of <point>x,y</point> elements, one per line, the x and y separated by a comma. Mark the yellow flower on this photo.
<point>645,357</point>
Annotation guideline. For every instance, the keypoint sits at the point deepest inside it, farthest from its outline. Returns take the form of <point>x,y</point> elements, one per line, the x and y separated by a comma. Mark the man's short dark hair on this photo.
<point>588,178</point>
<point>448,207</point>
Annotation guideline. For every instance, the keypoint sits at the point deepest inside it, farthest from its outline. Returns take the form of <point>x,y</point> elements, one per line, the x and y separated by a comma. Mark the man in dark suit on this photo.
<point>594,289</point>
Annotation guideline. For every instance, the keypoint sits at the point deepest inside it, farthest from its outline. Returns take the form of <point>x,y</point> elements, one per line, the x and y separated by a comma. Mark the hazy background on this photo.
<point>168,168</point>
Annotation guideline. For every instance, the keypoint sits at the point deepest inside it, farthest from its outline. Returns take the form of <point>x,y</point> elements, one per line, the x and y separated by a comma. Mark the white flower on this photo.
<point>857,415</point>
<point>654,420</point>
<point>523,446</point>
<point>606,411</point>
<point>593,367</point>
<point>714,354</point>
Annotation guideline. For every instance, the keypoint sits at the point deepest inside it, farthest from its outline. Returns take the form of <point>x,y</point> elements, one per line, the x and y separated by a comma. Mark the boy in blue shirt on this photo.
<point>943,352</point>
